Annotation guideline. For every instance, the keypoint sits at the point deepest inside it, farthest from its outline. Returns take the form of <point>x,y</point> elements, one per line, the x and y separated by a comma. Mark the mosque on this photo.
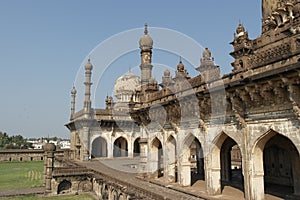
<point>239,129</point>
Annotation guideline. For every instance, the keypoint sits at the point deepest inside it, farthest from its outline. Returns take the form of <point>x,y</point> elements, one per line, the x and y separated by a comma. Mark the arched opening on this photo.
<point>222,177</point>
<point>280,158</point>
<point>21,159</point>
<point>171,160</point>
<point>231,165</point>
<point>99,148</point>
<point>136,147</point>
<point>42,158</point>
<point>105,193</point>
<point>9,159</point>
<point>115,195</point>
<point>31,158</point>
<point>64,187</point>
<point>120,147</point>
<point>276,166</point>
<point>197,161</point>
<point>157,158</point>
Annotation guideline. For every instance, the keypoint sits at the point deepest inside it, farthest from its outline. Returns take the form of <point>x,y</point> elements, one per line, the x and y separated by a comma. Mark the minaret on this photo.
<point>146,44</point>
<point>88,74</point>
<point>73,94</point>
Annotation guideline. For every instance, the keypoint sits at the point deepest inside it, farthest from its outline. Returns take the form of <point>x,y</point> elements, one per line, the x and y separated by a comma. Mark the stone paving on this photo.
<point>125,169</point>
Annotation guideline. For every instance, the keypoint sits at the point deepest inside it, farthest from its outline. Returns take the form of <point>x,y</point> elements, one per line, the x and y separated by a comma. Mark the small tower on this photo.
<point>73,94</point>
<point>209,71</point>
<point>167,80</point>
<point>109,103</point>
<point>146,45</point>
<point>242,49</point>
<point>87,102</point>
<point>181,72</point>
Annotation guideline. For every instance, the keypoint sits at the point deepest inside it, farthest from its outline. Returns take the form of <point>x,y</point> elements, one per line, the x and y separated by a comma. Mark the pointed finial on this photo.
<point>240,23</point>
<point>146,29</point>
<point>180,59</point>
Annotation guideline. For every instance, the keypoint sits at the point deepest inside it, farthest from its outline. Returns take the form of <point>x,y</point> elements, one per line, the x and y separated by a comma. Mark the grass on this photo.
<point>61,197</point>
<point>21,175</point>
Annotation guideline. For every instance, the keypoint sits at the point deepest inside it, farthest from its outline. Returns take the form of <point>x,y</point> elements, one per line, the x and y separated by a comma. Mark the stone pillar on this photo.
<point>185,174</point>
<point>110,149</point>
<point>49,149</point>
<point>213,174</point>
<point>143,166</point>
<point>130,148</point>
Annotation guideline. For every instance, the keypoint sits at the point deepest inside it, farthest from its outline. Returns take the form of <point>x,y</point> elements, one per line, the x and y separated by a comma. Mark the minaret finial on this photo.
<point>180,59</point>
<point>146,29</point>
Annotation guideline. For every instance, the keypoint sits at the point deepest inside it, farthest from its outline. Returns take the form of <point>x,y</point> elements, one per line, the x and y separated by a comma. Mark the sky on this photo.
<point>44,45</point>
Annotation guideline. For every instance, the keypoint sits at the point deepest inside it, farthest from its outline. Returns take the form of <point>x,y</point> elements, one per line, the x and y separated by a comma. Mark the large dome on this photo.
<point>126,84</point>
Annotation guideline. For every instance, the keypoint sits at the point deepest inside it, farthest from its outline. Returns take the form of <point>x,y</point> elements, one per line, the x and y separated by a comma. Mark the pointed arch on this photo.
<point>224,149</point>
<point>192,161</point>
<point>120,147</point>
<point>136,147</point>
<point>99,147</point>
<point>276,164</point>
<point>157,157</point>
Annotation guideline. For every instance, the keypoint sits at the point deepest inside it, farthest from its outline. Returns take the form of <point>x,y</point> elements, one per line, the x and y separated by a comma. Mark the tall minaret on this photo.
<point>73,94</point>
<point>146,44</point>
<point>88,74</point>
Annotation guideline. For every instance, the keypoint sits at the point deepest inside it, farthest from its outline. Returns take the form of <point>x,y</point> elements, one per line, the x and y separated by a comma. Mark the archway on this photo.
<point>157,158</point>
<point>191,161</point>
<point>231,165</point>
<point>105,193</point>
<point>171,161</point>
<point>220,166</point>
<point>136,147</point>
<point>277,159</point>
<point>120,147</point>
<point>197,161</point>
<point>64,187</point>
<point>99,148</point>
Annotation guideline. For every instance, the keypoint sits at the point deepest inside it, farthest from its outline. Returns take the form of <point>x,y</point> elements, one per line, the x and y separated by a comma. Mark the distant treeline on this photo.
<point>13,142</point>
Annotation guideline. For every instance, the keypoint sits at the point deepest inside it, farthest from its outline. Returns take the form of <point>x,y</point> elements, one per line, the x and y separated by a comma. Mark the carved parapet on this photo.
<point>270,55</point>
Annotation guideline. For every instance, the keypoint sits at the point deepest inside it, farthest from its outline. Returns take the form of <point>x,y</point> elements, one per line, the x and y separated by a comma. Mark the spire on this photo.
<point>73,94</point>
<point>146,29</point>
<point>88,74</point>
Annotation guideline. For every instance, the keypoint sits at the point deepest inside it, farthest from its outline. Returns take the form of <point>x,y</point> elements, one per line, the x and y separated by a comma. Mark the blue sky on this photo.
<point>44,43</point>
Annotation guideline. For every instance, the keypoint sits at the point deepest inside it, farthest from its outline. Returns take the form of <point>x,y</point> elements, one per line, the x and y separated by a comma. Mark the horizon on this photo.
<point>45,44</point>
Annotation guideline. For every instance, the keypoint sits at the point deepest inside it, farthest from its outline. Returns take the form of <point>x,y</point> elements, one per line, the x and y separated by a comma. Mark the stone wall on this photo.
<point>24,155</point>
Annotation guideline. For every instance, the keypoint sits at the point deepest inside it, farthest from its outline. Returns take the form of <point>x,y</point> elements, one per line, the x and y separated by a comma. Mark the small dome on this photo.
<point>240,29</point>
<point>167,72</point>
<point>127,83</point>
<point>146,42</point>
<point>206,53</point>
<point>88,65</point>
<point>73,91</point>
<point>180,66</point>
<point>49,147</point>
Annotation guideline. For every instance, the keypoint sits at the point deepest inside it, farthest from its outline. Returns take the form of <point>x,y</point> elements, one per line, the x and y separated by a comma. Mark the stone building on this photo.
<point>187,128</point>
